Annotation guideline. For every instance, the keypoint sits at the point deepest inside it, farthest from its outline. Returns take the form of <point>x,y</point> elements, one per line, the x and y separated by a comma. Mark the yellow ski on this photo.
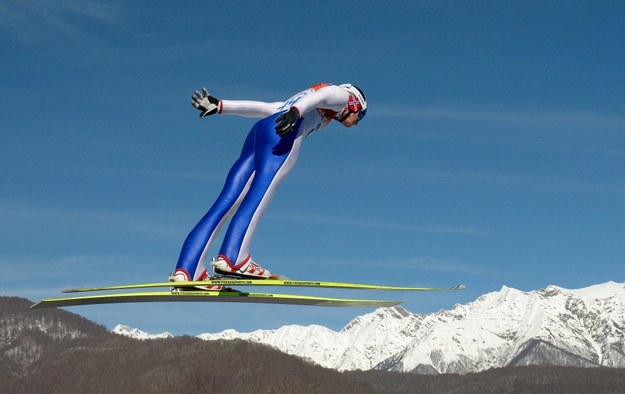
<point>210,296</point>
<point>264,282</point>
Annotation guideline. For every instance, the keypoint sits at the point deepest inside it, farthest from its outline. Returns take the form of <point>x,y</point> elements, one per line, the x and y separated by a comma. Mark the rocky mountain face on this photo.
<point>551,326</point>
<point>55,351</point>
<point>25,335</point>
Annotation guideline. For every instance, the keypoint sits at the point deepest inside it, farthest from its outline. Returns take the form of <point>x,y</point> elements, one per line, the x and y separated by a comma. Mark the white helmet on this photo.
<point>357,101</point>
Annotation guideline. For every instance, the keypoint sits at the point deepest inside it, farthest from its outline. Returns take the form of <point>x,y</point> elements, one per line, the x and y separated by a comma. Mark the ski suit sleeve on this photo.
<point>249,109</point>
<point>330,97</point>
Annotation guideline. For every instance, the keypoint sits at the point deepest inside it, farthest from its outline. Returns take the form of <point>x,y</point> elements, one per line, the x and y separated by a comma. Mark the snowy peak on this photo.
<point>395,313</point>
<point>510,327</point>
<point>556,326</point>
<point>596,292</point>
<point>126,331</point>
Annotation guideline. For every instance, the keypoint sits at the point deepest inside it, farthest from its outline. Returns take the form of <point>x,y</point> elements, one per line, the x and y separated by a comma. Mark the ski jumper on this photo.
<point>265,160</point>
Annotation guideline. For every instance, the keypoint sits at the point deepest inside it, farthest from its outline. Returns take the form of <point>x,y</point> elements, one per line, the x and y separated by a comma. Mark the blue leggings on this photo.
<point>265,160</point>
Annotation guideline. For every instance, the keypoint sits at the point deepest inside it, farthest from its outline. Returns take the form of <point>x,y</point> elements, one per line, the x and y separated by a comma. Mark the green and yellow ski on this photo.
<point>263,282</point>
<point>210,296</point>
<point>186,291</point>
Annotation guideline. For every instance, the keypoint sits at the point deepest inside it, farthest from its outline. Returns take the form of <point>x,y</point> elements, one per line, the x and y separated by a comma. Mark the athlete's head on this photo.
<point>357,103</point>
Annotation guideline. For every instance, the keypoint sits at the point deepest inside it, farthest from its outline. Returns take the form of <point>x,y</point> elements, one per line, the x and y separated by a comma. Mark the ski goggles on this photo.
<point>361,114</point>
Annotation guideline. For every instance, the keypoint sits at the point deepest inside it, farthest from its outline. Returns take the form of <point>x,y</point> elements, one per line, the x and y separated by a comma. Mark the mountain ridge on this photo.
<point>554,326</point>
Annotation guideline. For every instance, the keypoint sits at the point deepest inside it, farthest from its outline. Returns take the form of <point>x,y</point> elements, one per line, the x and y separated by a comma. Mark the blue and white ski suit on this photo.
<point>265,160</point>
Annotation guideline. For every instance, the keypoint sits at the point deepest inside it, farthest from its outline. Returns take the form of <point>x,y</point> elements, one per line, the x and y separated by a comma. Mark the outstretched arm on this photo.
<point>210,105</point>
<point>249,109</point>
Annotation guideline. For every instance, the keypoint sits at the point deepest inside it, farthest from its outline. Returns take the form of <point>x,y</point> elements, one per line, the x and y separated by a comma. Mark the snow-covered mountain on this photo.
<point>556,326</point>
<point>138,334</point>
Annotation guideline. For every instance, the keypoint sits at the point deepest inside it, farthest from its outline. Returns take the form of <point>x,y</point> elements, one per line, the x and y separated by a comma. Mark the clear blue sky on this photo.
<point>493,152</point>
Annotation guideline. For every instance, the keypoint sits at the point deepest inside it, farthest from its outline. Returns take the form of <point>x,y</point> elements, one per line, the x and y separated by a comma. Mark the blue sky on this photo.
<point>492,153</point>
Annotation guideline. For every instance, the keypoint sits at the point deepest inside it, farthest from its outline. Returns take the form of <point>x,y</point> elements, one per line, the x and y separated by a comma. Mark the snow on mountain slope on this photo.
<point>584,327</point>
<point>138,334</point>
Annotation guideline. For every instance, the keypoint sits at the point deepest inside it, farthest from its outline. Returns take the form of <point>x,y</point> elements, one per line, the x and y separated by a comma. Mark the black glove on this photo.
<point>286,122</point>
<point>205,102</point>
